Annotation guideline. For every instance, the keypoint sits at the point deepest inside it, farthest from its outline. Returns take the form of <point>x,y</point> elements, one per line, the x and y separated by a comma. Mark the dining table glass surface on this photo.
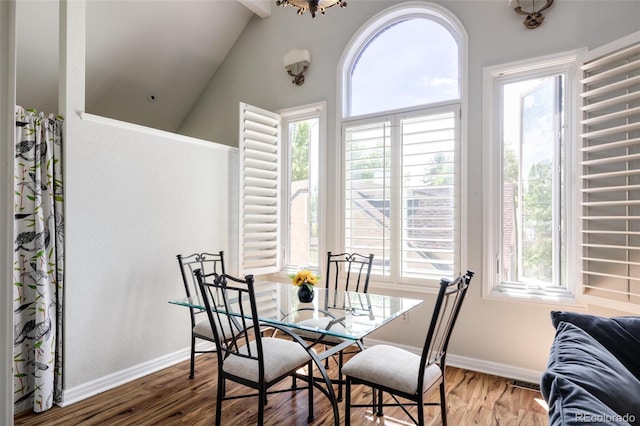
<point>353,315</point>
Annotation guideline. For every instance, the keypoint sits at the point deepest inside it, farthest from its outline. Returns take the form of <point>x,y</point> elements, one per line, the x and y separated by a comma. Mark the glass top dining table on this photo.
<point>349,316</point>
<point>352,315</point>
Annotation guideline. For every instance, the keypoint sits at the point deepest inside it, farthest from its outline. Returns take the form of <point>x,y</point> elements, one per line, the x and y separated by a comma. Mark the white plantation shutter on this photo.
<point>429,194</point>
<point>367,192</point>
<point>611,174</point>
<point>259,221</point>
<point>402,190</point>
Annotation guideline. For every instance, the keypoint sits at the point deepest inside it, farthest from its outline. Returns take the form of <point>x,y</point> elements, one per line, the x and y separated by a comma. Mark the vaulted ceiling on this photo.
<point>147,61</point>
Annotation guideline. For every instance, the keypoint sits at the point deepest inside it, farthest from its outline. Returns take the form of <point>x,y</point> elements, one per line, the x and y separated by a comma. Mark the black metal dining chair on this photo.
<point>404,375</point>
<point>208,263</point>
<point>244,355</point>
<point>345,272</point>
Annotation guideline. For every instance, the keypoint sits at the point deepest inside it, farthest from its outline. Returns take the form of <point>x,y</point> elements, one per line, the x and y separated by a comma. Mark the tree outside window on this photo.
<point>303,193</point>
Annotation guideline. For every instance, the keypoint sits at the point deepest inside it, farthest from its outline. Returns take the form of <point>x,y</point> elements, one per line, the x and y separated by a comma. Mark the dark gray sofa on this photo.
<point>593,373</point>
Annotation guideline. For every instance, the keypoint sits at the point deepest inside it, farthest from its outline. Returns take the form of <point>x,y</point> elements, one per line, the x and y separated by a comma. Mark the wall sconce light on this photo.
<point>313,5</point>
<point>534,18</point>
<point>296,62</point>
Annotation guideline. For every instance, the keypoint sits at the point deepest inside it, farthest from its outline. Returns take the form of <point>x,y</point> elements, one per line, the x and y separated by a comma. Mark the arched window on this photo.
<point>402,90</point>
<point>408,63</point>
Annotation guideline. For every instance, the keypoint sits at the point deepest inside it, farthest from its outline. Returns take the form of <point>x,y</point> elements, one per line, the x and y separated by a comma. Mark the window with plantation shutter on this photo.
<point>367,191</point>
<point>402,146</point>
<point>401,192</point>
<point>259,187</point>
<point>610,93</point>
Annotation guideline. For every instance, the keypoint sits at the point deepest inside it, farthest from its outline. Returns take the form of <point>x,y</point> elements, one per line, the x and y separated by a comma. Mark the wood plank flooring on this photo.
<point>168,397</point>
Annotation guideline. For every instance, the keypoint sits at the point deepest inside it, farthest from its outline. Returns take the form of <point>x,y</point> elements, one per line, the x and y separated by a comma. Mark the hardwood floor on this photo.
<point>168,397</point>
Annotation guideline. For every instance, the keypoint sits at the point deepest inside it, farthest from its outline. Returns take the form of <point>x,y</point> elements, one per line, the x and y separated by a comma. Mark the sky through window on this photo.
<point>412,62</point>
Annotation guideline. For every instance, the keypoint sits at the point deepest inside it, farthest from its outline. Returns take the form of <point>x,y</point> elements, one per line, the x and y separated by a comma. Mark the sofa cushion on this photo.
<point>620,335</point>
<point>579,358</point>
<point>569,405</point>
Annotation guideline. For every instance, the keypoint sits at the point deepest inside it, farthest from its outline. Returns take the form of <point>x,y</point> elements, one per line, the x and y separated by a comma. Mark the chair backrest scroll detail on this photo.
<point>346,272</point>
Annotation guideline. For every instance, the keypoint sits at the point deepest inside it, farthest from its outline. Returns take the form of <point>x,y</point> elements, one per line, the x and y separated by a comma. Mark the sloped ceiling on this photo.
<point>146,61</point>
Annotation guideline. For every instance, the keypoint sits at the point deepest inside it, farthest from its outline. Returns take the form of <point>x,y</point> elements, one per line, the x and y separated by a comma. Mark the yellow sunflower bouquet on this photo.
<point>304,277</point>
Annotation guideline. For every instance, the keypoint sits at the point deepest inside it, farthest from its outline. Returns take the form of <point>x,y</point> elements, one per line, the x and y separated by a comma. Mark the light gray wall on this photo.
<point>507,333</point>
<point>134,199</point>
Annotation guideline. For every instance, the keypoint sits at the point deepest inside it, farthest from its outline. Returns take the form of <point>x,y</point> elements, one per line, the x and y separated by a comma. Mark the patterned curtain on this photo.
<point>38,261</point>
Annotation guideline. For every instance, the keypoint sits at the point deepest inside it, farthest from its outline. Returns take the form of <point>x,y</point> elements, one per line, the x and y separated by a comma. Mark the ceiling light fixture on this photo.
<point>313,5</point>
<point>534,18</point>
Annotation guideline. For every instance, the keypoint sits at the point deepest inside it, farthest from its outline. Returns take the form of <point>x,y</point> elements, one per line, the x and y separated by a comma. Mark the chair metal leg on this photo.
<point>347,403</point>
<point>262,396</point>
<point>420,407</point>
<point>193,357</point>
<point>380,411</point>
<point>221,388</point>
<point>340,378</point>
<point>373,400</point>
<point>310,415</point>
<point>443,403</point>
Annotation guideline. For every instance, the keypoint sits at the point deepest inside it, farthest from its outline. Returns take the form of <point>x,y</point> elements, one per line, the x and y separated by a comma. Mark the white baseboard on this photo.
<point>87,390</point>
<point>479,365</point>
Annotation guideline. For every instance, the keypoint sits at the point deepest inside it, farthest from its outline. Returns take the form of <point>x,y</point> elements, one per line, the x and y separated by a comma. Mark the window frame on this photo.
<point>365,34</point>
<point>493,78</point>
<point>316,110</point>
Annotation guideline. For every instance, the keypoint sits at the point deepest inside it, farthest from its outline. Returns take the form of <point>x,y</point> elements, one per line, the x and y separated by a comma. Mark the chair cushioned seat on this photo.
<point>203,328</point>
<point>391,367</point>
<point>280,357</point>
<point>321,324</point>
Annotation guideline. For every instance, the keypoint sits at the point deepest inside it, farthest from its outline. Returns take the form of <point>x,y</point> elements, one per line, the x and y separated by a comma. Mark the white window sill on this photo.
<point>503,294</point>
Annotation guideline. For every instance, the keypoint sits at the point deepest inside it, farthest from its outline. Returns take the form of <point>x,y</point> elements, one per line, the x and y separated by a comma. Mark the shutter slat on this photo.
<point>611,145</point>
<point>612,188</point>
<point>260,196</point>
<point>260,116</point>
<point>269,157</point>
<point>266,209</point>
<point>610,160</point>
<point>625,113</point>
<point>619,262</point>
<point>606,175</point>
<point>611,131</point>
<point>256,163</point>
<point>611,58</point>
<point>611,203</point>
<point>612,72</point>
<point>610,102</point>
<point>266,229</point>
<point>618,85</point>
<point>601,218</point>
<point>268,145</point>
